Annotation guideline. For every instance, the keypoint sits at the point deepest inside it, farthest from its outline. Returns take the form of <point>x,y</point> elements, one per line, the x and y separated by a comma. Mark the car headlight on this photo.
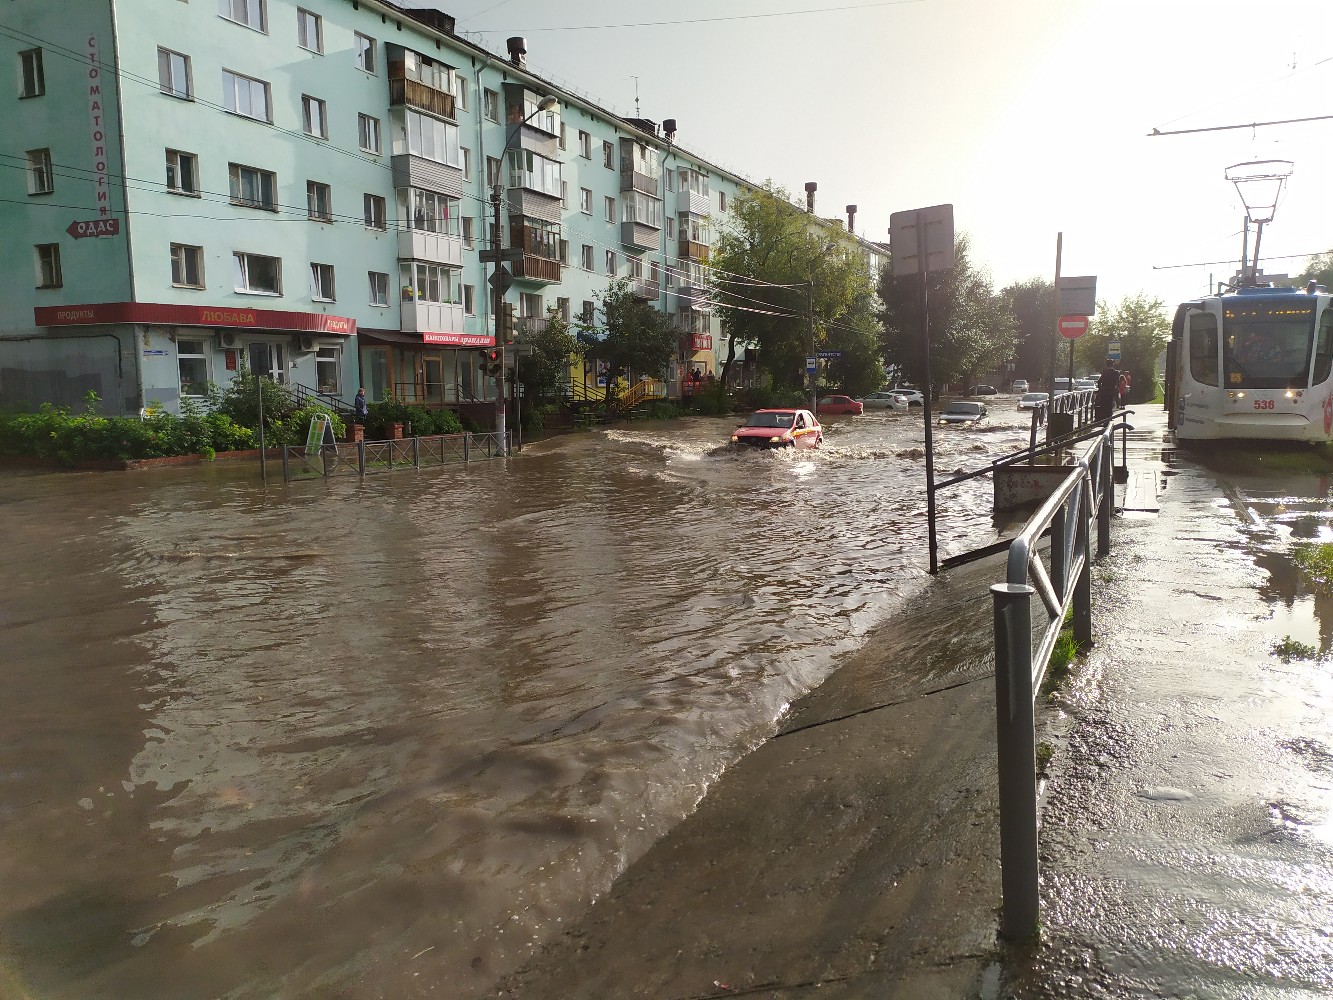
<point>735,437</point>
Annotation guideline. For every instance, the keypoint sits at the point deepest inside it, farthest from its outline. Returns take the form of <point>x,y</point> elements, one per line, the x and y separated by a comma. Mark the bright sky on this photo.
<point>1030,116</point>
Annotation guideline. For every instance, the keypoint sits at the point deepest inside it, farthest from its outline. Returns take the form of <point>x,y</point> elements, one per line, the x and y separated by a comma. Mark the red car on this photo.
<point>779,429</point>
<point>841,404</point>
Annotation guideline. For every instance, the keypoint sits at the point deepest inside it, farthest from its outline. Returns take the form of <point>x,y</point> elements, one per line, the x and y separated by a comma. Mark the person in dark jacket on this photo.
<point>360,408</point>
<point>1108,392</point>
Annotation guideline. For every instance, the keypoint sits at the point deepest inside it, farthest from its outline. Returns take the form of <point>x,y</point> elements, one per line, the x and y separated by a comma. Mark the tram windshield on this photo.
<point>1266,345</point>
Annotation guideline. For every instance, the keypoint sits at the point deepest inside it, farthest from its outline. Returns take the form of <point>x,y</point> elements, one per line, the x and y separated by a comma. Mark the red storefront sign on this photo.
<point>459,339</point>
<point>161,314</point>
<point>701,342</point>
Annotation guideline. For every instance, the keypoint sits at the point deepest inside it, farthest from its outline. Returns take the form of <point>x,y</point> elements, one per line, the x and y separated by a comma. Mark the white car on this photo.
<point>884,401</point>
<point>1031,400</point>
<point>913,396</point>
<point>963,411</point>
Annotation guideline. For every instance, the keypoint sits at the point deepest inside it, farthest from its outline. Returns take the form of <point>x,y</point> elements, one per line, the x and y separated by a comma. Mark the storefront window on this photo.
<point>193,364</point>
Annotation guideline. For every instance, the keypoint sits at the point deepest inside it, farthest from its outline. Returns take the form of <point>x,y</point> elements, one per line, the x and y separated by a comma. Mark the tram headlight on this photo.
<point>1233,394</point>
<point>1293,394</point>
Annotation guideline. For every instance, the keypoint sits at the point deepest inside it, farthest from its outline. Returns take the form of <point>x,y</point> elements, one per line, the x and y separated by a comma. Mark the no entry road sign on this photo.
<point>1072,327</point>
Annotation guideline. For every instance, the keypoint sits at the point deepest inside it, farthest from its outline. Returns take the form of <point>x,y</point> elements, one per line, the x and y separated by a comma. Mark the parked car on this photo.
<point>883,401</point>
<point>1031,400</point>
<point>913,396</point>
<point>1084,383</point>
<point>779,429</point>
<point>963,411</point>
<point>983,390</point>
<point>840,404</point>
<point>1020,385</point>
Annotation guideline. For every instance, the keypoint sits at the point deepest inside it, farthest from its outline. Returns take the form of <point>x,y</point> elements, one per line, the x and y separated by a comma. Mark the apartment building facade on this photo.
<point>305,189</point>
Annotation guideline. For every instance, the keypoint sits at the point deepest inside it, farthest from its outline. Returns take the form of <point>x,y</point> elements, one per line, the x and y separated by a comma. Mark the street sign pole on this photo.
<point>925,399</point>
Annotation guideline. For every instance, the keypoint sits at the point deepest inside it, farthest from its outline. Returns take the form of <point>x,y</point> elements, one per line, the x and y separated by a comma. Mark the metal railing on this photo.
<point>303,395</point>
<point>1086,495</point>
<point>364,458</point>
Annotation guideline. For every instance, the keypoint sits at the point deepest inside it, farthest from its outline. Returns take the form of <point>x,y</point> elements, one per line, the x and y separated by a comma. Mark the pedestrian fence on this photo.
<point>1060,581</point>
<point>364,458</point>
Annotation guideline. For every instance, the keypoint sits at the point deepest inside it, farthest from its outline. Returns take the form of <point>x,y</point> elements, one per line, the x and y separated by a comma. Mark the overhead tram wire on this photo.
<point>711,20</point>
<point>1225,128</point>
<point>1267,256</point>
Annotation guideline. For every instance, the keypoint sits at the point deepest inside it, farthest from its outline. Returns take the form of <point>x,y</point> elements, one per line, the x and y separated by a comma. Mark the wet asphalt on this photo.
<point>1187,811</point>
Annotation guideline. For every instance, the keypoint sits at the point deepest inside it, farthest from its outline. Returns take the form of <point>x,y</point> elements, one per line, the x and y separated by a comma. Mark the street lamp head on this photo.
<point>547,103</point>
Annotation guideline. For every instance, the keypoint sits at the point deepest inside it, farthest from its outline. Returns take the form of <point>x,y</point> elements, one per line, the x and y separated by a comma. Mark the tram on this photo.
<point>1252,364</point>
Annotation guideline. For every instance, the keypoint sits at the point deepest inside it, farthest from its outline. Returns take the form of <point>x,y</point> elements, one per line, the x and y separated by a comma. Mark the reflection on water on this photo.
<point>379,738</point>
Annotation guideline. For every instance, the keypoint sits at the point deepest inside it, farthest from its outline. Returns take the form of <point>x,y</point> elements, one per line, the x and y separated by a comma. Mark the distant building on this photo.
<point>305,189</point>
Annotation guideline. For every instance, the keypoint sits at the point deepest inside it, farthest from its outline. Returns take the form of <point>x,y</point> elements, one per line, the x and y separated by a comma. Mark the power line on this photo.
<point>1267,256</point>
<point>710,20</point>
<point>1224,128</point>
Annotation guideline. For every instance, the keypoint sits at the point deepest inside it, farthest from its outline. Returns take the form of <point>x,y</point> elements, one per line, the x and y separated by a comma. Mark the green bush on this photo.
<point>384,413</point>
<point>425,422</point>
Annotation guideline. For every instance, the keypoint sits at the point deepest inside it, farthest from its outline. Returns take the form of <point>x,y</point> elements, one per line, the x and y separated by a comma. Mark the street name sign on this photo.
<point>829,354</point>
<point>1072,327</point>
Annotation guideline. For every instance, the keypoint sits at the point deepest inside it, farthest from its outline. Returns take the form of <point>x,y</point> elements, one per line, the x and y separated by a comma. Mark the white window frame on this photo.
<point>564,253</point>
<point>192,349</point>
<point>609,208</point>
<point>427,282</point>
<point>585,257</point>
<point>365,53</point>
<point>319,201</point>
<point>239,93</point>
<point>173,74</point>
<point>608,155</point>
<point>368,135</point>
<point>41,179</point>
<point>48,265</point>
<point>242,268</point>
<point>321,282</point>
<point>610,263</point>
<point>315,116</point>
<point>585,144</point>
<point>585,201</point>
<point>237,176</point>
<point>466,155</point>
<point>306,20</point>
<point>324,358</point>
<point>379,287</point>
<point>469,232</point>
<point>470,300</point>
<point>461,92</point>
<point>250,13</point>
<point>183,173</point>
<point>32,75</point>
<point>375,211</point>
<point>184,259</point>
<point>490,105</point>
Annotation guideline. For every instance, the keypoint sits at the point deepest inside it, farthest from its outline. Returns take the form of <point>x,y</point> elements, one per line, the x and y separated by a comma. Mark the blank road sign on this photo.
<point>904,248</point>
<point>1078,296</point>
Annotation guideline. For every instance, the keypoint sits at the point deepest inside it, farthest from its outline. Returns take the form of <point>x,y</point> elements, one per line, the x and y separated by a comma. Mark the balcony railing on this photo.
<point>538,269</point>
<point>638,236</point>
<point>634,180</point>
<point>418,95</point>
<point>645,288</point>
<point>436,317</point>
<point>438,248</point>
<point>690,250</point>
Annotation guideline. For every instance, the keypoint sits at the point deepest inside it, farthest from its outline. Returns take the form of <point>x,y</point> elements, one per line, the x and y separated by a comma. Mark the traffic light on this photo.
<point>505,332</point>
<point>492,361</point>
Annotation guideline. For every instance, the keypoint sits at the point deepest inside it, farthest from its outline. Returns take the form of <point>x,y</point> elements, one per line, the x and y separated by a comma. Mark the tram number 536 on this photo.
<point>1264,404</point>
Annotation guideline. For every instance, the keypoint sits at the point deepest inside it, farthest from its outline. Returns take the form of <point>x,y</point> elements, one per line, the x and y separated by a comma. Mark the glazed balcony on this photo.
<point>413,94</point>
<point>637,236</point>
<point>645,288</point>
<point>690,250</point>
<point>432,317</point>
<point>437,248</point>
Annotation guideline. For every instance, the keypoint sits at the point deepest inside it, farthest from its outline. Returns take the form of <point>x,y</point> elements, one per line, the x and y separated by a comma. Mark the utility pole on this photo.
<point>814,357</point>
<point>497,192</point>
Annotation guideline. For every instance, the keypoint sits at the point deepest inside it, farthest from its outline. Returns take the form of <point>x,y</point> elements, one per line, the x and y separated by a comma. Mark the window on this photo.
<point>492,171</point>
<point>562,308</point>
<point>321,282</point>
<point>376,214</point>
<point>187,265</point>
<point>461,92</point>
<point>368,133</point>
<point>309,30</point>
<point>257,274</point>
<point>319,201</point>
<point>1203,348</point>
<point>608,156</point>
<point>564,194</point>
<point>48,265</point>
<point>430,72</point>
<point>182,173</point>
<point>586,314</point>
<point>722,201</point>
<point>470,300</point>
<point>586,260</point>
<point>314,117</point>
<point>40,178</point>
<point>251,13</point>
<point>173,73</point>
<point>34,80</point>
<point>245,95</point>
<point>192,366</point>
<point>585,145</point>
<point>611,263</point>
<point>670,228</point>
<point>379,288</point>
<point>534,171</point>
<point>328,364</point>
<point>562,135</point>
<point>467,164</point>
<point>469,238</point>
<point>429,211</point>
<point>253,188</point>
<point>424,282</point>
<point>670,181</point>
<point>490,105</point>
<point>564,252</point>
<point>429,138</point>
<point>609,209</point>
<point>365,52</point>
<point>585,201</point>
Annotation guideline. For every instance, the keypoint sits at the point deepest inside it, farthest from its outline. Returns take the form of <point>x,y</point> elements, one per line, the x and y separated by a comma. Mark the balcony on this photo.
<point>637,236</point>
<point>418,95</point>
<point>693,202</point>
<point>634,180</point>
<point>538,270</point>
<point>528,325</point>
<point>437,248</point>
<point>437,317</point>
<point>689,250</point>
<point>645,288</point>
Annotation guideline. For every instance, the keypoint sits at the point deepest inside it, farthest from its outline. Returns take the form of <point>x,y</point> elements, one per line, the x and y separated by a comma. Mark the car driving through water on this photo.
<point>779,429</point>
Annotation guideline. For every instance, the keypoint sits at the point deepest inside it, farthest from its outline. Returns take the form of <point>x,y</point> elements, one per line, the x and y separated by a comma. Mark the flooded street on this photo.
<point>381,738</point>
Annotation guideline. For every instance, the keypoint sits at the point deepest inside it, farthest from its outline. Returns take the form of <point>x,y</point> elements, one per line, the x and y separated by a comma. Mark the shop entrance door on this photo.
<point>432,378</point>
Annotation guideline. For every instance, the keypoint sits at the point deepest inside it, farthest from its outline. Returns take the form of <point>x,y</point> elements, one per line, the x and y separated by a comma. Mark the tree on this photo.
<point>554,348</point>
<point>634,337</point>
<point>1034,306</point>
<point>1142,327</point>
<point>972,330</point>
<point>774,268</point>
<point>1318,269</point>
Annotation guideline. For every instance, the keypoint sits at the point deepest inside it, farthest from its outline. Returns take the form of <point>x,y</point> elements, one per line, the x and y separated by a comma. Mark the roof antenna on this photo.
<point>636,96</point>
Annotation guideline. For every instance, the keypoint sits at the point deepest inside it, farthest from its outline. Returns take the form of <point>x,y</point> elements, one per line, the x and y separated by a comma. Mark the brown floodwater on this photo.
<point>381,738</point>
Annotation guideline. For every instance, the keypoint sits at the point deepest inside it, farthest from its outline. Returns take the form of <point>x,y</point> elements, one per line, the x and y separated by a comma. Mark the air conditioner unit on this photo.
<point>306,343</point>
<point>228,339</point>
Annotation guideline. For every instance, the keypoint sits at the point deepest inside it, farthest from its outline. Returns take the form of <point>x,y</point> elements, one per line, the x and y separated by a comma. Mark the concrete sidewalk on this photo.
<point>855,854</point>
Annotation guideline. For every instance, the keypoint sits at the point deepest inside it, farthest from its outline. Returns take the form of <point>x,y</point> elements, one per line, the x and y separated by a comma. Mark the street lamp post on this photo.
<point>814,356</point>
<point>497,245</point>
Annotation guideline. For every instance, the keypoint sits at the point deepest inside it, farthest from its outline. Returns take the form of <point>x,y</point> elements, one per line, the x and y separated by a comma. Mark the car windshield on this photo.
<point>963,409</point>
<point>770,419</point>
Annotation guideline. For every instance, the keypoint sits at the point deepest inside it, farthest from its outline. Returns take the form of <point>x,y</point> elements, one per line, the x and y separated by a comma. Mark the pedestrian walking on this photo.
<point>1108,392</point>
<point>360,408</point>
<point>1124,387</point>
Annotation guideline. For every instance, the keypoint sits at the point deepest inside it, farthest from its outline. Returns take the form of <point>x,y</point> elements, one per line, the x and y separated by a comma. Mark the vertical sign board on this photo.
<point>920,243</point>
